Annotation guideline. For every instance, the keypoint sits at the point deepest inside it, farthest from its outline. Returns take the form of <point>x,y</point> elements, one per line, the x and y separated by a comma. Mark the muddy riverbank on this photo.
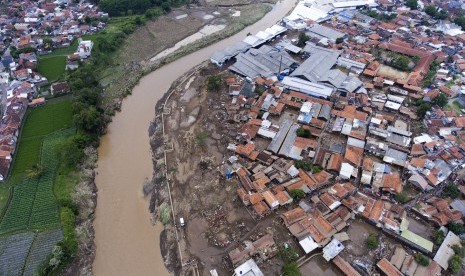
<point>126,241</point>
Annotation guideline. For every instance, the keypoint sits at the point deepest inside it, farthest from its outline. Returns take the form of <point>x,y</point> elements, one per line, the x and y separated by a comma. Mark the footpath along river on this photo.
<point>126,241</point>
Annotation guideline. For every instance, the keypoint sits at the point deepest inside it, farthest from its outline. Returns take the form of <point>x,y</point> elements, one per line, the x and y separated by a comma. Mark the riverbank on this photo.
<point>120,177</point>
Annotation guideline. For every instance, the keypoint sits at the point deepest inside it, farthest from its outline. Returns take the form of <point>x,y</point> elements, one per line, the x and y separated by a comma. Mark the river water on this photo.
<point>126,242</point>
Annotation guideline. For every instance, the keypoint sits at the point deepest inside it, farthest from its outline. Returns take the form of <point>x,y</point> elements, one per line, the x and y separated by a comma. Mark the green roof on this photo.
<point>418,240</point>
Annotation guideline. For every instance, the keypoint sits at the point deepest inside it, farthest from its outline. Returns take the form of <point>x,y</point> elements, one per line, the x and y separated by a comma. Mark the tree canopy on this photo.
<point>413,4</point>
<point>126,7</point>
<point>440,100</point>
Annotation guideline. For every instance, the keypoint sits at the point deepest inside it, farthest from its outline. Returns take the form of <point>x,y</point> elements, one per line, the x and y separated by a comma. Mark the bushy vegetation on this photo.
<point>455,264</point>
<point>381,16</point>
<point>428,79</point>
<point>460,20</point>
<point>297,194</point>
<point>125,7</point>
<point>459,250</point>
<point>438,237</point>
<point>422,108</point>
<point>402,197</point>
<point>289,255</point>
<point>400,62</point>
<point>372,241</point>
<point>304,164</point>
<point>440,100</point>
<point>435,13</point>
<point>165,214</point>
<point>451,191</point>
<point>214,83</point>
<point>421,259</point>
<point>413,4</point>
<point>291,269</point>
<point>304,132</point>
<point>455,227</point>
<point>303,38</point>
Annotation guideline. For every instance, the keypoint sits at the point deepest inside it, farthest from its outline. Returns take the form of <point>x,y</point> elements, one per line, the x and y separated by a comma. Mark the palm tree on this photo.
<point>35,171</point>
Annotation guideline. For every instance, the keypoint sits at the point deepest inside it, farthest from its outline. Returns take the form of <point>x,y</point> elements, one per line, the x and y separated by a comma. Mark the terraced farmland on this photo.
<point>33,205</point>
<point>41,247</point>
<point>13,252</point>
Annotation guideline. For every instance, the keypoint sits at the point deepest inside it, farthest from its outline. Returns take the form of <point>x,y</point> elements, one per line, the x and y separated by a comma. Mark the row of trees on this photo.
<point>129,7</point>
<point>435,13</point>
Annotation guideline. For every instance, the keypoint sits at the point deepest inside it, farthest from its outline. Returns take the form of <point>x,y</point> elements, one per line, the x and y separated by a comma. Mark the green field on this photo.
<point>53,68</point>
<point>33,205</point>
<point>39,122</point>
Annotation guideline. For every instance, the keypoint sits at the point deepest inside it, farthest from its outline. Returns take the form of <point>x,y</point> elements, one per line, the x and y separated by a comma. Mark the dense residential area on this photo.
<point>349,126</point>
<point>29,31</point>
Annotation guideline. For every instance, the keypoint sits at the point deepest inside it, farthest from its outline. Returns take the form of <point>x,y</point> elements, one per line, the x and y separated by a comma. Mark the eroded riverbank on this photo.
<point>126,242</point>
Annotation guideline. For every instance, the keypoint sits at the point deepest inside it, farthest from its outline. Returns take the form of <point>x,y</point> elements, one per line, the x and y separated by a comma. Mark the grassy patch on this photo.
<point>53,68</point>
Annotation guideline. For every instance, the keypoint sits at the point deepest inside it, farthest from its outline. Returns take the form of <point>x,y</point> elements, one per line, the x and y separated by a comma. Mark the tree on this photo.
<point>402,63</point>
<point>452,191</point>
<point>35,171</point>
<point>455,264</point>
<point>431,10</point>
<point>458,250</point>
<point>455,227</point>
<point>339,40</point>
<point>438,237</point>
<point>291,269</point>
<point>440,100</point>
<point>297,194</point>
<point>303,38</point>
<point>372,241</point>
<point>316,169</point>
<point>422,109</point>
<point>303,132</point>
<point>421,259</point>
<point>214,83</point>
<point>413,4</point>
<point>287,253</point>
<point>306,165</point>
<point>460,20</point>
<point>88,119</point>
<point>402,197</point>
<point>166,7</point>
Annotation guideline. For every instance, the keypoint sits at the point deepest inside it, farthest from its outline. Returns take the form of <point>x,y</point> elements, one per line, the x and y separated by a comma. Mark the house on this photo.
<point>58,88</point>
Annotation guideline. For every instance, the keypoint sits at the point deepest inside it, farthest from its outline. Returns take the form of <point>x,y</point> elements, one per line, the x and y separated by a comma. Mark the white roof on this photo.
<point>376,121</point>
<point>307,87</point>
<point>306,106</point>
<point>303,12</point>
<point>396,99</point>
<point>332,249</point>
<point>392,105</point>
<point>308,244</point>
<point>264,35</point>
<point>293,171</point>
<point>355,142</point>
<point>249,268</point>
<point>253,40</point>
<point>445,252</point>
<point>353,3</point>
<point>265,132</point>
<point>346,170</point>
<point>423,138</point>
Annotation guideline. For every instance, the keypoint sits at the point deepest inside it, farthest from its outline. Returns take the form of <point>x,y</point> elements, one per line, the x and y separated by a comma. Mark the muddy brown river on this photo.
<point>127,243</point>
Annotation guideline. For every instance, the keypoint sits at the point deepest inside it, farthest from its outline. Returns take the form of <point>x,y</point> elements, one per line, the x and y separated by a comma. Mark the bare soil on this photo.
<point>216,221</point>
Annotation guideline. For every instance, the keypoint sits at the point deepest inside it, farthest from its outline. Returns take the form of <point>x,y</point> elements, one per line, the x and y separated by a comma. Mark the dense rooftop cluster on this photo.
<point>362,121</point>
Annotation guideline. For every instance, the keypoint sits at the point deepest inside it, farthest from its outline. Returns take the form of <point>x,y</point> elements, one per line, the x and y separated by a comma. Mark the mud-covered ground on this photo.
<point>196,137</point>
